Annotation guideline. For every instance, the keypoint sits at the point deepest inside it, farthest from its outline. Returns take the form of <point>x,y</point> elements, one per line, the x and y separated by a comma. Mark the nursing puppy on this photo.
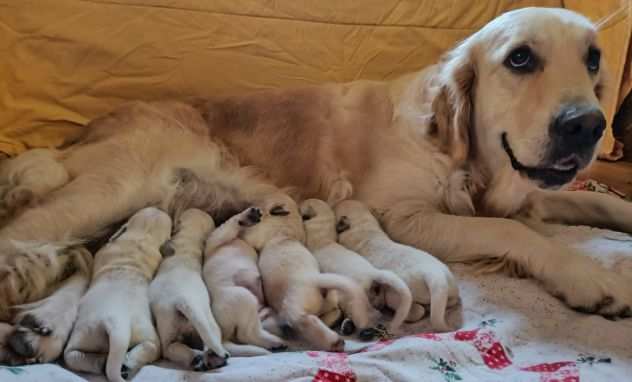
<point>180,302</point>
<point>292,282</point>
<point>320,229</point>
<point>429,280</point>
<point>114,315</point>
<point>233,281</point>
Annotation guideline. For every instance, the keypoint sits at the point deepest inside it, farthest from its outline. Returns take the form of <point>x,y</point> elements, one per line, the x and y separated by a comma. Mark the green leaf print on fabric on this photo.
<point>447,368</point>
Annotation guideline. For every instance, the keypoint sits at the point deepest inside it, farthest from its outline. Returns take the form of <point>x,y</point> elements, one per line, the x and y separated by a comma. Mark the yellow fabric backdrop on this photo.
<point>64,62</point>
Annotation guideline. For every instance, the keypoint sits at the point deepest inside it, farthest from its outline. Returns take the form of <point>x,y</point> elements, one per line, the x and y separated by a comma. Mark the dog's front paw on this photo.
<point>587,287</point>
<point>250,217</point>
<point>35,340</point>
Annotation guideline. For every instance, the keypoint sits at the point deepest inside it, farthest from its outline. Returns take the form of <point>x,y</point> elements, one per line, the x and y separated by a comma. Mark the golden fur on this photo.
<point>425,152</point>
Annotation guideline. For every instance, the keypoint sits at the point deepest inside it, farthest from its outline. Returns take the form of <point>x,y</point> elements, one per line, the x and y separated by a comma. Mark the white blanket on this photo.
<point>511,331</point>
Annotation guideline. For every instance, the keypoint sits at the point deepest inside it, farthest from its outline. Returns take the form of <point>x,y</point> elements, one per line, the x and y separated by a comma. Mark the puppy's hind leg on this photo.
<point>250,330</point>
<point>318,334</point>
<point>85,362</point>
<point>206,327</point>
<point>145,352</point>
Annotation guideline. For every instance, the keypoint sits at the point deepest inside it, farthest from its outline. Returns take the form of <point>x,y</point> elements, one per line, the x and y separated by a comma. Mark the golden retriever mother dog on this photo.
<point>463,159</point>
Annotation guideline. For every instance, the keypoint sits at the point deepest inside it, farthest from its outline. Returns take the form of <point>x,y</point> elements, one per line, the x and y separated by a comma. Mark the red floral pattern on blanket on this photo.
<point>333,367</point>
<point>556,372</point>
<point>336,367</point>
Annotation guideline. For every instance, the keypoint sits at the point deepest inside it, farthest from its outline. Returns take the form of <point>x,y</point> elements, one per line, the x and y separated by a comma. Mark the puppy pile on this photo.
<point>196,294</point>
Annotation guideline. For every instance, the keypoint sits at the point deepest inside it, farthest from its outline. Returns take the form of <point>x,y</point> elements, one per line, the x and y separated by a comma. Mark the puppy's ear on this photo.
<point>167,249</point>
<point>279,211</point>
<point>452,106</point>
<point>343,224</point>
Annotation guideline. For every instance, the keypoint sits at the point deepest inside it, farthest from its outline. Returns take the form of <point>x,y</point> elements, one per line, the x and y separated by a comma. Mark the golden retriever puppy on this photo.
<point>292,282</point>
<point>114,331</point>
<point>180,302</point>
<point>321,237</point>
<point>429,280</point>
<point>28,177</point>
<point>233,281</point>
<point>42,327</point>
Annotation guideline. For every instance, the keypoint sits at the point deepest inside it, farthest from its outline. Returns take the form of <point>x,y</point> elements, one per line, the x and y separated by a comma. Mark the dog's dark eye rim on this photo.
<point>521,60</point>
<point>593,59</point>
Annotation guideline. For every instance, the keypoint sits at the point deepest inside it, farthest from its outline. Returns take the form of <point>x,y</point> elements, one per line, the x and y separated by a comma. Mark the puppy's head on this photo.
<point>195,222</point>
<point>150,223</point>
<point>319,221</point>
<point>522,96</point>
<point>281,220</point>
<point>353,216</point>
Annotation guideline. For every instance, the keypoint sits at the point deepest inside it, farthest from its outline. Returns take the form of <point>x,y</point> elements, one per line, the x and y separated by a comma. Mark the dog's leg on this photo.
<point>580,208</point>
<point>27,274</point>
<point>143,353</point>
<point>509,245</point>
<point>318,334</point>
<point>27,178</point>
<point>85,362</point>
<point>231,228</point>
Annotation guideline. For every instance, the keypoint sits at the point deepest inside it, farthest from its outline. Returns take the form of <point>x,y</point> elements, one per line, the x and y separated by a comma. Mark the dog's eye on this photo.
<point>593,59</point>
<point>521,60</point>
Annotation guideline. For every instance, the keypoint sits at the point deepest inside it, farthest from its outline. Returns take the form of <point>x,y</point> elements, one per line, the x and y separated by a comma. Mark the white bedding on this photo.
<point>512,331</point>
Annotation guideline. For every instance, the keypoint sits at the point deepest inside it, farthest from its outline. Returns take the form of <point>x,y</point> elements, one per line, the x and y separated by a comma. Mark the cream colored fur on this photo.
<point>114,315</point>
<point>234,284</point>
<point>292,282</point>
<point>321,238</point>
<point>179,300</point>
<point>424,151</point>
<point>430,281</point>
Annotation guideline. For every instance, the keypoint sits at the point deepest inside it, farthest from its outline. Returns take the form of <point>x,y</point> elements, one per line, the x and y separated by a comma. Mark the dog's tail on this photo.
<point>241,350</point>
<point>439,295</point>
<point>394,282</point>
<point>119,334</point>
<point>205,325</point>
<point>354,298</point>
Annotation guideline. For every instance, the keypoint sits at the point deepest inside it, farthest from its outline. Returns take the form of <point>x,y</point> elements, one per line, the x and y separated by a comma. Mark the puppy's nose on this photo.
<point>580,125</point>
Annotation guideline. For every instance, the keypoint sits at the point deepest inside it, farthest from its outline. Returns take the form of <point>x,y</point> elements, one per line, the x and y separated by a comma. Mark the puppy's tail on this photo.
<point>439,295</point>
<point>241,350</point>
<point>119,334</point>
<point>356,301</point>
<point>391,280</point>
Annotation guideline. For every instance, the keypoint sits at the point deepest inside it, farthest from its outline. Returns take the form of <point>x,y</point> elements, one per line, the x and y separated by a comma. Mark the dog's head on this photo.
<point>149,223</point>
<point>281,220</point>
<point>319,221</point>
<point>522,95</point>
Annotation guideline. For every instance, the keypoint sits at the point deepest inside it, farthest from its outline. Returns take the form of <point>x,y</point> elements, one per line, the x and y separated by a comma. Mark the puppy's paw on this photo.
<point>250,217</point>
<point>587,287</point>
<point>208,361</point>
<point>34,339</point>
<point>125,371</point>
<point>338,346</point>
<point>347,327</point>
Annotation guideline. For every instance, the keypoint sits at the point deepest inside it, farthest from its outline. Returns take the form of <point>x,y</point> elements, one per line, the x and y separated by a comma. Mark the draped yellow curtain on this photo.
<point>67,61</point>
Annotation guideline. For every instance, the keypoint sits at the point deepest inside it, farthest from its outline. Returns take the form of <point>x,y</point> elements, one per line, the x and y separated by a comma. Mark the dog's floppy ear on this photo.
<point>452,106</point>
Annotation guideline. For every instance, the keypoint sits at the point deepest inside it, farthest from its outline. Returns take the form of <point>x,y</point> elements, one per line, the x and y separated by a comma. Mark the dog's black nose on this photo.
<point>579,125</point>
